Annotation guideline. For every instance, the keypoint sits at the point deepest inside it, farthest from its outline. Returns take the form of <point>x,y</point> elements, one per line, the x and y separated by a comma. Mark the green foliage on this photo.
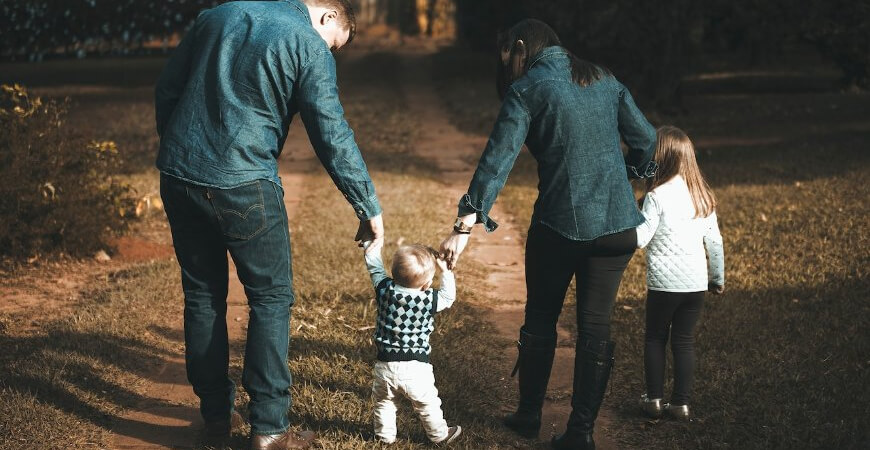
<point>56,189</point>
<point>34,28</point>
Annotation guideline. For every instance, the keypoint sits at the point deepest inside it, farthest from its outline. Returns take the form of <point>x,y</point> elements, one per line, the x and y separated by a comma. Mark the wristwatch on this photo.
<point>461,228</point>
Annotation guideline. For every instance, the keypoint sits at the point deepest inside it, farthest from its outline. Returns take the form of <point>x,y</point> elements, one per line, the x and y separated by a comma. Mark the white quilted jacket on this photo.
<point>675,240</point>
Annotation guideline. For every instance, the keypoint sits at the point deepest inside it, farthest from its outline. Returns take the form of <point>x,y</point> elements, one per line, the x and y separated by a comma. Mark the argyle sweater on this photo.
<point>406,316</point>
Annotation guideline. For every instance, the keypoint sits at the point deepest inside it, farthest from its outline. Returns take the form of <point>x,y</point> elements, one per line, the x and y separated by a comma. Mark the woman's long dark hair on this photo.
<point>522,42</point>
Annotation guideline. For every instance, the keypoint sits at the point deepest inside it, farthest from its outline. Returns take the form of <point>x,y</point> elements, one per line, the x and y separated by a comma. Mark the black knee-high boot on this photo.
<point>534,363</point>
<point>592,366</point>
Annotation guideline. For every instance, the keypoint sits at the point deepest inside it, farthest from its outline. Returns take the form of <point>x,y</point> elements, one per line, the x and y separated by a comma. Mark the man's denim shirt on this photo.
<point>574,134</point>
<point>225,100</point>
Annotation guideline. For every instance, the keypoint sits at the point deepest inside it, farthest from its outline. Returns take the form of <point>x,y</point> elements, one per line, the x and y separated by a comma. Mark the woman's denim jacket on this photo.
<point>225,100</point>
<point>574,134</point>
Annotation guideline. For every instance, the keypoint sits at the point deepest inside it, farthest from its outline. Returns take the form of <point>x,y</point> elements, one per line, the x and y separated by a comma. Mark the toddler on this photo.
<point>405,319</point>
<point>680,213</point>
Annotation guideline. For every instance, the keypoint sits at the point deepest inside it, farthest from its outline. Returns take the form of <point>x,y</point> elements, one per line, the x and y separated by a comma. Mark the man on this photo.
<point>224,103</point>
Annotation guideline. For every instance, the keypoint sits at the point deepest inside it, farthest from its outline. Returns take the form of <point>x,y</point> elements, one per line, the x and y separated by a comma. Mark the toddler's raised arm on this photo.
<point>374,263</point>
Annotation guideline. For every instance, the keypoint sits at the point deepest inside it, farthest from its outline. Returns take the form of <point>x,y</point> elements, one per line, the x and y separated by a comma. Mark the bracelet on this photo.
<point>461,228</point>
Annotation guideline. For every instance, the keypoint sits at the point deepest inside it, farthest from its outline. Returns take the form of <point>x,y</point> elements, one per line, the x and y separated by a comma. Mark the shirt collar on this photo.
<point>548,52</point>
<point>301,7</point>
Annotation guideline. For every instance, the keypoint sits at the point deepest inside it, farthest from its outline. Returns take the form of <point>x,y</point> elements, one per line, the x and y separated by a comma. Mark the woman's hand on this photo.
<point>452,247</point>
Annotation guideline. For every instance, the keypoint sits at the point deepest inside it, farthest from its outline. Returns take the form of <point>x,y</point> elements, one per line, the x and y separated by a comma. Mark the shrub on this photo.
<point>57,192</point>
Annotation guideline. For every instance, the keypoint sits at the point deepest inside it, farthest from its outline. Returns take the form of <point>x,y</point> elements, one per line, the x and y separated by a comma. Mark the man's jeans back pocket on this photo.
<point>241,210</point>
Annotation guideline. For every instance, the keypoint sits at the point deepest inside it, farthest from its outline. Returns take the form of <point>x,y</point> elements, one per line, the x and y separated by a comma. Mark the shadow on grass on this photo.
<point>776,368</point>
<point>76,374</point>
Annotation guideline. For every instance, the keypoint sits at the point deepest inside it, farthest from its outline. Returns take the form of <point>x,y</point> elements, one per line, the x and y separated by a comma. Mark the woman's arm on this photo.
<point>638,134</point>
<point>497,160</point>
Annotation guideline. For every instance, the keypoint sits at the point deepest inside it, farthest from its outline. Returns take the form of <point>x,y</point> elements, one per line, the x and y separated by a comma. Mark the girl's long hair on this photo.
<point>675,155</point>
<point>522,42</point>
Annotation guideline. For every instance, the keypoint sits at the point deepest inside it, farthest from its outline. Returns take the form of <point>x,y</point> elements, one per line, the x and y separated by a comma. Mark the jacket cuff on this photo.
<point>647,171</point>
<point>466,208</point>
<point>368,208</point>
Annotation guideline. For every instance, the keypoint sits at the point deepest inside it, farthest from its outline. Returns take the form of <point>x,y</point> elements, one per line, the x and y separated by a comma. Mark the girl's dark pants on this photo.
<point>674,314</point>
<point>552,260</point>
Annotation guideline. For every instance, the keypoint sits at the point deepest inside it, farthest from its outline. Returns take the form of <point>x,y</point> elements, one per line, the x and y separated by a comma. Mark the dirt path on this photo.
<point>455,155</point>
<point>153,424</point>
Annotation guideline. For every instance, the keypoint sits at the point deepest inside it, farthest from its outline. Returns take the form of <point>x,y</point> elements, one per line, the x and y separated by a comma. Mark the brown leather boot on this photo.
<point>288,439</point>
<point>217,434</point>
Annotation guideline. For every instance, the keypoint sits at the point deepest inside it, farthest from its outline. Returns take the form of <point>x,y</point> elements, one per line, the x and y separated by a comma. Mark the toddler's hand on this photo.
<point>442,264</point>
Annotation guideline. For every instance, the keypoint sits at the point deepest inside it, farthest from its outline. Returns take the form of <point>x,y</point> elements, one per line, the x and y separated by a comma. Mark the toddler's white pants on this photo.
<point>414,380</point>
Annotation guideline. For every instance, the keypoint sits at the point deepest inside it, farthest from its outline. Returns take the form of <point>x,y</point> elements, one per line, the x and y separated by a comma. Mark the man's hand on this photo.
<point>371,230</point>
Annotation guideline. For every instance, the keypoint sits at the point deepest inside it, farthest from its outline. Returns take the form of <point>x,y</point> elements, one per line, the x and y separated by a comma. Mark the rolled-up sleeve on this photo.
<point>497,160</point>
<point>639,135</point>
<point>331,136</point>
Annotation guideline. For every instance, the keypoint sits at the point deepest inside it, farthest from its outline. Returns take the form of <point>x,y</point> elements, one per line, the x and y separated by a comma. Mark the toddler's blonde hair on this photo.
<point>413,265</point>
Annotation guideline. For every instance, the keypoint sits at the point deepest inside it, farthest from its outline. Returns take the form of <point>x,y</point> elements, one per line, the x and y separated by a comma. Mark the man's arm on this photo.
<point>331,136</point>
<point>172,80</point>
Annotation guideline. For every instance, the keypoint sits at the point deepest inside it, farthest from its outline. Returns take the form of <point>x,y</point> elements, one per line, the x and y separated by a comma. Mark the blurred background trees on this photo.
<point>650,45</point>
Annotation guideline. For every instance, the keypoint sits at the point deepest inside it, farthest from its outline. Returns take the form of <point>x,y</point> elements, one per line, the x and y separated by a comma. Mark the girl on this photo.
<point>680,213</point>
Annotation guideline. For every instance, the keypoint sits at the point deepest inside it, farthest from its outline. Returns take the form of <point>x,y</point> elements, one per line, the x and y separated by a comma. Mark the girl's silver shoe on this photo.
<point>652,407</point>
<point>679,412</point>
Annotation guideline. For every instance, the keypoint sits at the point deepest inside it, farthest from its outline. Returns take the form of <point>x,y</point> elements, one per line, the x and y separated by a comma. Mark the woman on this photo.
<point>571,115</point>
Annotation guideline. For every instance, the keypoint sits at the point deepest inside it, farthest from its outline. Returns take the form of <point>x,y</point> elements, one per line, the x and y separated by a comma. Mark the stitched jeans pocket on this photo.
<point>241,210</point>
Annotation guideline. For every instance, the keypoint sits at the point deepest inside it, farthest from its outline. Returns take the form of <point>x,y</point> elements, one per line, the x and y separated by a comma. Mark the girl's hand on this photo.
<point>452,247</point>
<point>716,289</point>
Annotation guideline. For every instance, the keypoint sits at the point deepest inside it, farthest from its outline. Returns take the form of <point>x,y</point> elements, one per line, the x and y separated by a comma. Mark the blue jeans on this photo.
<point>249,221</point>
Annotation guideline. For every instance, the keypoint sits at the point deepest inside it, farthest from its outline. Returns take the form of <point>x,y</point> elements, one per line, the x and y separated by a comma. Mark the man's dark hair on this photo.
<point>346,16</point>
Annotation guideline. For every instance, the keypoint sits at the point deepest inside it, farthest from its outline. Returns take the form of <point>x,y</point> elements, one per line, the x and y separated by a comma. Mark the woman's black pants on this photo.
<point>553,260</point>
<point>674,314</point>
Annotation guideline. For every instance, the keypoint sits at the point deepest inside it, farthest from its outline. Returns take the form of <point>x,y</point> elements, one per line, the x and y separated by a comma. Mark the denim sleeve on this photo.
<point>715,251</point>
<point>651,216</point>
<point>172,80</point>
<point>502,149</point>
<point>639,135</point>
<point>331,136</point>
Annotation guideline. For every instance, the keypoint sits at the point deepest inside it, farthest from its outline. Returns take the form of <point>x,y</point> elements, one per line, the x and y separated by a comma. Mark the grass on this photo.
<point>782,356</point>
